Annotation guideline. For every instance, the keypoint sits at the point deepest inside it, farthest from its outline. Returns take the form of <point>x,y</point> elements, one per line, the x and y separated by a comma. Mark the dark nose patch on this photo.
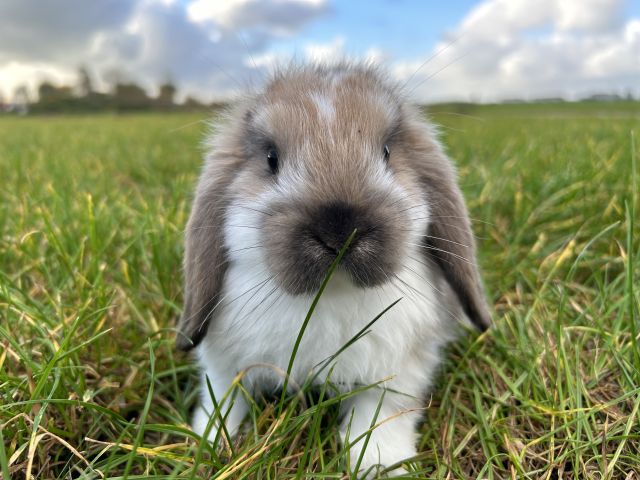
<point>333,223</point>
<point>304,250</point>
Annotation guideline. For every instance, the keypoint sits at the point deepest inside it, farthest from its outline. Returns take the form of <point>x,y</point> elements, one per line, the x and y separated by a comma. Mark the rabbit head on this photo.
<point>297,168</point>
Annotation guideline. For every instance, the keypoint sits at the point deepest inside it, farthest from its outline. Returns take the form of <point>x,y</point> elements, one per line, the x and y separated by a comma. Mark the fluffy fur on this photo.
<point>259,241</point>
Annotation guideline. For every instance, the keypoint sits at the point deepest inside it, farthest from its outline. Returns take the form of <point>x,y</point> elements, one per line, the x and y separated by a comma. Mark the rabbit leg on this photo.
<point>391,433</point>
<point>232,406</point>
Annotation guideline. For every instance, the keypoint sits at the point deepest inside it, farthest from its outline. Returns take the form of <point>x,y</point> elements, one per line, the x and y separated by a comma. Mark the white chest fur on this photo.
<point>259,323</point>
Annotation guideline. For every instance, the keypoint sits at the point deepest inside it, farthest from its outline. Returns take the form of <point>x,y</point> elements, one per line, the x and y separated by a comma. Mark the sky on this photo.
<point>458,50</point>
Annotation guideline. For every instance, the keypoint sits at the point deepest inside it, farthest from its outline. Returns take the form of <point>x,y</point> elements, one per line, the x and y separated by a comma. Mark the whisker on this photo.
<point>202,227</point>
<point>236,318</point>
<point>433,56</point>
<point>255,286</point>
<point>258,305</point>
<point>444,240</point>
<point>245,248</point>
<point>224,297</point>
<point>430,247</point>
<point>463,115</point>
<point>427,299</point>
<point>181,127</point>
<point>477,220</point>
<point>423,278</point>
<point>419,84</point>
<point>407,197</point>
<point>253,209</point>
<point>415,206</point>
<point>277,299</point>
<point>254,227</point>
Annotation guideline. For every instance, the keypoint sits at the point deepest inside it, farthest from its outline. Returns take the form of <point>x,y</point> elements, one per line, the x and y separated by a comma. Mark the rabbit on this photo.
<point>292,172</point>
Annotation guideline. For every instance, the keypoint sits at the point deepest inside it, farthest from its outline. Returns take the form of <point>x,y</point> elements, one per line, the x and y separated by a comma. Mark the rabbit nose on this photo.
<point>333,224</point>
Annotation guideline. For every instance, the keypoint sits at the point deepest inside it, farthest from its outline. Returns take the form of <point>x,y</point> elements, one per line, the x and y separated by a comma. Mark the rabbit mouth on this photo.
<point>363,265</point>
<point>314,243</point>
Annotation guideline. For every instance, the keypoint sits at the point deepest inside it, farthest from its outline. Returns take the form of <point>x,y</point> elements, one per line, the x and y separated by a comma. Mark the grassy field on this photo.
<point>92,212</point>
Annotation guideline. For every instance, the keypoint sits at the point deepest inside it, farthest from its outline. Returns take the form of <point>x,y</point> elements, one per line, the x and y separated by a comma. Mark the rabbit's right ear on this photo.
<point>449,239</point>
<point>206,259</point>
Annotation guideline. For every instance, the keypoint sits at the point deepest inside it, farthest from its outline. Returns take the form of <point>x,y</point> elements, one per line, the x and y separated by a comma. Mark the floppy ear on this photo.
<point>205,260</point>
<point>449,239</point>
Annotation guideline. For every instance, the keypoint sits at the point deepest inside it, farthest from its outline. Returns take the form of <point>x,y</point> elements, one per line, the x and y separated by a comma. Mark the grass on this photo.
<point>92,211</point>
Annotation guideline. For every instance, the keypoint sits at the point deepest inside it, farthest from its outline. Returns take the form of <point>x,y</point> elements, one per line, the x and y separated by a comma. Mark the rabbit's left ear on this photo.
<point>205,261</point>
<point>449,240</point>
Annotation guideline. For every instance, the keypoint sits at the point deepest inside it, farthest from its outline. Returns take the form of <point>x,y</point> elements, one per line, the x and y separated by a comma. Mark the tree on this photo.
<point>85,84</point>
<point>54,99</point>
<point>166,95</point>
<point>129,96</point>
<point>46,92</point>
<point>191,103</point>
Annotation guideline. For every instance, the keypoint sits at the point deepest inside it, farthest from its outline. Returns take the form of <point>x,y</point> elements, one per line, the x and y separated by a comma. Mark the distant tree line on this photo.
<point>83,97</point>
<point>126,96</point>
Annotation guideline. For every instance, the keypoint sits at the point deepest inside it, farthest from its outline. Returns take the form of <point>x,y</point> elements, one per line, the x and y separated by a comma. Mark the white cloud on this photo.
<point>336,51</point>
<point>589,15</point>
<point>326,52</point>
<point>148,41</point>
<point>523,49</point>
<point>280,17</point>
<point>331,52</point>
<point>31,74</point>
<point>56,29</point>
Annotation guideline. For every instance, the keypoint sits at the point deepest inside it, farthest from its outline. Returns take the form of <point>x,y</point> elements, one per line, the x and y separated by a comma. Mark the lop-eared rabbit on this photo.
<point>289,175</point>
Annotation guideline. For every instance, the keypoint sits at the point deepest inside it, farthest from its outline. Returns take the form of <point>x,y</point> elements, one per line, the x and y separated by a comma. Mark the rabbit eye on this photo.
<point>386,152</point>
<point>272,158</point>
